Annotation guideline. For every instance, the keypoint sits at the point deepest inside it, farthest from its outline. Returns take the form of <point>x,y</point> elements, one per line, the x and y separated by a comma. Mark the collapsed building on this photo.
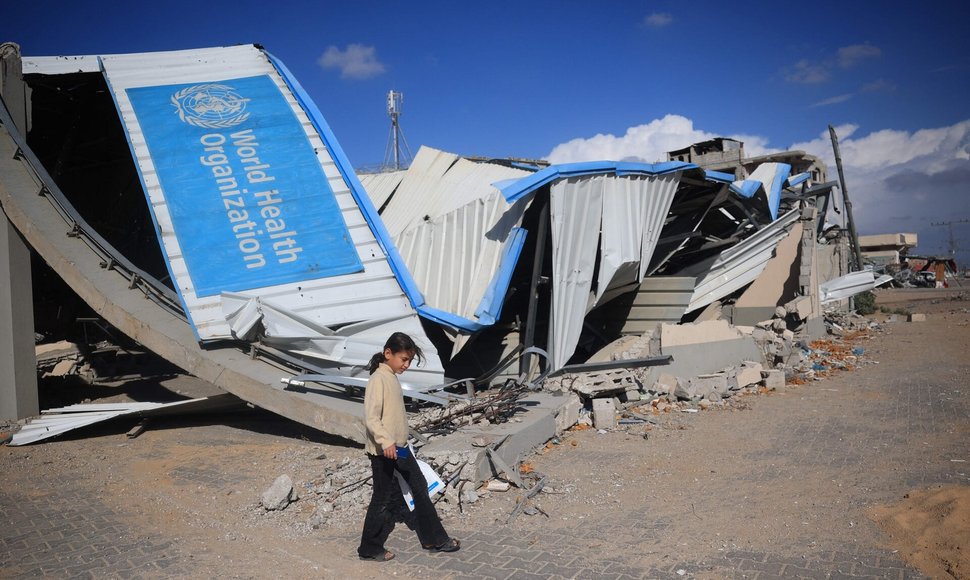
<point>198,202</point>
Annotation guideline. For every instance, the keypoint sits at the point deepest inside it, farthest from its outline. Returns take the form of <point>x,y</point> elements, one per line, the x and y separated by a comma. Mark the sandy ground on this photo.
<point>709,478</point>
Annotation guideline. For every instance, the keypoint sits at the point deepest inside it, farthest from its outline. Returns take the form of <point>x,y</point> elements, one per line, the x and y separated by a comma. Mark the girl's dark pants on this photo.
<point>379,520</point>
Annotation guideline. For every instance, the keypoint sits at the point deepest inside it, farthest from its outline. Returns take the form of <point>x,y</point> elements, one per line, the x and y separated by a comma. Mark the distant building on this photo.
<point>886,249</point>
<point>727,155</point>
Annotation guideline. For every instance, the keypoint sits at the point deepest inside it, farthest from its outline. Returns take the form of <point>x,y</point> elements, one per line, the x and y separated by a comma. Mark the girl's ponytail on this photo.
<point>375,361</point>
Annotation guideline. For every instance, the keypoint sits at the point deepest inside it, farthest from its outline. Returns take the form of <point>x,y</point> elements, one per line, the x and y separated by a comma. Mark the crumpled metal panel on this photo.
<point>768,179</point>
<point>849,285</point>
<point>738,265</point>
<point>454,258</point>
<point>380,186</point>
<point>372,294</point>
<point>438,183</point>
<point>54,422</point>
<point>456,233</point>
<point>634,210</point>
<point>623,216</point>
<point>576,207</point>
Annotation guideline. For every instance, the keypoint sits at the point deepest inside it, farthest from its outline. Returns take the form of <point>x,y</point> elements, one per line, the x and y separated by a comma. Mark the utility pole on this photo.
<point>951,242</point>
<point>397,154</point>
<point>848,204</point>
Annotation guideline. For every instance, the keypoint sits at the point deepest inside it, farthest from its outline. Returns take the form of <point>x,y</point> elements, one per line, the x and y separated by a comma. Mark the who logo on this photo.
<point>210,106</point>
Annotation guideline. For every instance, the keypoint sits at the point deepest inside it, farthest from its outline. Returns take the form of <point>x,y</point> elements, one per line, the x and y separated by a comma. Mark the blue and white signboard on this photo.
<point>249,202</point>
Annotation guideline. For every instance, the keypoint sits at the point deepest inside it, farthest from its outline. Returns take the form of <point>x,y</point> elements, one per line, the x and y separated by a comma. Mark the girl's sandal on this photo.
<point>384,557</point>
<point>450,545</point>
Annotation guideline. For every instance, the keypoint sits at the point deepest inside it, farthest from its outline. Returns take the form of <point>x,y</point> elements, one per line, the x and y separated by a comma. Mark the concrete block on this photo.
<point>748,375</point>
<point>666,383</point>
<point>604,413</point>
<point>774,379</point>
<point>780,312</point>
<point>704,385</point>
<point>696,333</point>
<point>916,317</point>
<point>684,389</point>
<point>800,308</point>
<point>568,412</point>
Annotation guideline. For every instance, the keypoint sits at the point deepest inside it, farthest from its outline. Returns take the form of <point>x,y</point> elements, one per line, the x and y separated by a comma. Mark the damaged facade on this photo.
<point>691,278</point>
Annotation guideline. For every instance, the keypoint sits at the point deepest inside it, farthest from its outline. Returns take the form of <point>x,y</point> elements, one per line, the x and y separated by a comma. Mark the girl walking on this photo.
<point>387,433</point>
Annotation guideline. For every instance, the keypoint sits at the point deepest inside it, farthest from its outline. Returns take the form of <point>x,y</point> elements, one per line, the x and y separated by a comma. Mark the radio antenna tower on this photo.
<point>397,154</point>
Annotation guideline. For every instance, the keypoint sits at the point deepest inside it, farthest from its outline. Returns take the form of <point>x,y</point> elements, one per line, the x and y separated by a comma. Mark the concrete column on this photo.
<point>18,363</point>
<point>808,278</point>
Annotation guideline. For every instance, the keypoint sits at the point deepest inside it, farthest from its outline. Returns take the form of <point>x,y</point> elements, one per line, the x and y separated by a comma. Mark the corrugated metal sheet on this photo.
<point>456,233</point>
<point>54,422</point>
<point>374,293</point>
<point>849,285</point>
<point>738,265</point>
<point>455,257</point>
<point>576,206</point>
<point>623,216</point>
<point>380,292</point>
<point>659,299</point>
<point>768,179</point>
<point>380,186</point>
<point>438,183</point>
<point>513,190</point>
<point>634,210</point>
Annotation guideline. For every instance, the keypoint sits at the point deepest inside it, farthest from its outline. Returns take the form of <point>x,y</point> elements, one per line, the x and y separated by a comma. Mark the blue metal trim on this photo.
<point>148,200</point>
<point>718,176</point>
<point>782,170</point>
<point>746,188</point>
<point>490,307</point>
<point>449,319</point>
<point>798,179</point>
<point>518,189</point>
<point>394,258</point>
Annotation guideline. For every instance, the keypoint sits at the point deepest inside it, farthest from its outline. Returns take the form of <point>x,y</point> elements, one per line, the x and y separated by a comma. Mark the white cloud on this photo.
<point>658,20</point>
<point>806,72</point>
<point>646,143</point>
<point>812,72</point>
<point>902,181</point>
<point>832,100</point>
<point>899,181</point>
<point>850,56</point>
<point>355,62</point>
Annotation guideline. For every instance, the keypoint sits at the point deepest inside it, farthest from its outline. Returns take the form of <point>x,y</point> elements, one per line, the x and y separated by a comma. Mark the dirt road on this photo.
<point>786,484</point>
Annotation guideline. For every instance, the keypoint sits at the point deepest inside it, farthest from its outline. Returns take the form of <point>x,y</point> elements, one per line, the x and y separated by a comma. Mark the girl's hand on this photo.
<point>390,452</point>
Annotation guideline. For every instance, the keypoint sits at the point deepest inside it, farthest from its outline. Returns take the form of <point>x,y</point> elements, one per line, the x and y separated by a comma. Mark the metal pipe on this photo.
<point>530,321</point>
<point>857,253</point>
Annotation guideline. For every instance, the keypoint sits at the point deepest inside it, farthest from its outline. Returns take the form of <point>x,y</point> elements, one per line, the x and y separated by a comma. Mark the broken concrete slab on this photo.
<point>604,413</point>
<point>568,412</point>
<point>704,385</point>
<point>776,283</point>
<point>800,308</point>
<point>529,430</point>
<point>749,374</point>
<point>665,383</point>
<point>774,379</point>
<point>279,495</point>
<point>702,348</point>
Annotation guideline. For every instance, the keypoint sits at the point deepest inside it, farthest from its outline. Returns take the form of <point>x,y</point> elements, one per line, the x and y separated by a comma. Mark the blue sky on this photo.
<point>571,81</point>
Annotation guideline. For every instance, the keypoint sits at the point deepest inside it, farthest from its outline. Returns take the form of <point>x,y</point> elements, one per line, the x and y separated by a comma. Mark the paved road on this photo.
<point>778,490</point>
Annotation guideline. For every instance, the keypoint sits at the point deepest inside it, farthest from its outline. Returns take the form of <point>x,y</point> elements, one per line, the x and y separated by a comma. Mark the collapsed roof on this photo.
<point>271,242</point>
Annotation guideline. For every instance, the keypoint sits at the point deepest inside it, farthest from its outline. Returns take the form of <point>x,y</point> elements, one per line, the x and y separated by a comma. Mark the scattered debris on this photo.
<point>280,494</point>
